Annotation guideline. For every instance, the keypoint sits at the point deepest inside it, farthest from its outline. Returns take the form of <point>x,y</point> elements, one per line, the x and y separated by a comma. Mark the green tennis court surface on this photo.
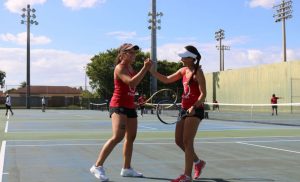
<point>61,145</point>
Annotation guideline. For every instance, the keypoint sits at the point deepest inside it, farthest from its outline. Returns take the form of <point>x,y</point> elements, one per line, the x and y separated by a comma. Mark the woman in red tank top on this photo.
<point>193,97</point>
<point>122,111</point>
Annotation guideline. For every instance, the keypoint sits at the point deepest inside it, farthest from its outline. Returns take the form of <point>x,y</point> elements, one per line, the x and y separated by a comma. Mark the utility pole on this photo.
<point>283,12</point>
<point>85,78</point>
<point>29,19</point>
<point>223,47</point>
<point>219,35</point>
<point>154,20</point>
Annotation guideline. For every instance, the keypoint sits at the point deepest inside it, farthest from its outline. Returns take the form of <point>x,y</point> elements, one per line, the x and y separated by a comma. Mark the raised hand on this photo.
<point>148,63</point>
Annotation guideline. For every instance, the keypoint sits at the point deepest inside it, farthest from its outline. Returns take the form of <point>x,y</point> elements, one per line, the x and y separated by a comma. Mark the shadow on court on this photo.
<point>231,179</point>
<point>214,179</point>
<point>156,178</point>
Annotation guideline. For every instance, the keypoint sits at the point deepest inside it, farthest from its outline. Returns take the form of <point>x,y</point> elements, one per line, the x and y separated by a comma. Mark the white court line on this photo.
<point>2,154</point>
<point>262,146</point>
<point>6,127</point>
<point>172,138</point>
<point>138,143</point>
<point>147,127</point>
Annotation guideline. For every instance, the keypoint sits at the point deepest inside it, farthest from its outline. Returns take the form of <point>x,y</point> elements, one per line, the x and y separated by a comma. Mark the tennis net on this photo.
<point>287,114</point>
<point>99,107</point>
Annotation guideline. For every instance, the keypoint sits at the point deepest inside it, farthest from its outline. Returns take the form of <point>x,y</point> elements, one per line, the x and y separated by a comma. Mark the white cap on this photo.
<point>185,53</point>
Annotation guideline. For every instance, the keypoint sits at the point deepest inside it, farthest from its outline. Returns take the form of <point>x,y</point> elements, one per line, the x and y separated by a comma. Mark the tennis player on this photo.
<point>8,105</point>
<point>141,101</point>
<point>193,97</point>
<point>274,104</point>
<point>43,104</point>
<point>122,111</point>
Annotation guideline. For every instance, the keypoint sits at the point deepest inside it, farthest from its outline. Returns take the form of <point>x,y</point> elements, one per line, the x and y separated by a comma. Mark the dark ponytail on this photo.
<point>194,50</point>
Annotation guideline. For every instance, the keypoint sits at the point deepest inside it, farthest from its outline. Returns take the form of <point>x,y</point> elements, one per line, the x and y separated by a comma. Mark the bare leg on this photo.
<point>179,138</point>
<point>131,129</point>
<point>118,130</point>
<point>190,129</point>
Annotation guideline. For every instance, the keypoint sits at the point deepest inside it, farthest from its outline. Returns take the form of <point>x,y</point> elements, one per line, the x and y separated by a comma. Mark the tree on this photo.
<point>2,76</point>
<point>100,72</point>
<point>23,84</point>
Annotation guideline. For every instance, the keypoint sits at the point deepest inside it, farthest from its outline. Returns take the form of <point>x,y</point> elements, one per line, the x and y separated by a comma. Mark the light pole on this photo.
<point>154,20</point>
<point>223,47</point>
<point>219,35</point>
<point>28,19</point>
<point>283,12</point>
<point>85,78</point>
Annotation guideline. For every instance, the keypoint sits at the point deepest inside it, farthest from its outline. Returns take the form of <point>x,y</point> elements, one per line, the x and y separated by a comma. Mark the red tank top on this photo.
<point>190,93</point>
<point>123,95</point>
<point>274,100</point>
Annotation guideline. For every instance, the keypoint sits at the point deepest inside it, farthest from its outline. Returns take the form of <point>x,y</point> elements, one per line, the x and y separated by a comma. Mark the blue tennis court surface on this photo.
<point>84,121</point>
<point>62,145</point>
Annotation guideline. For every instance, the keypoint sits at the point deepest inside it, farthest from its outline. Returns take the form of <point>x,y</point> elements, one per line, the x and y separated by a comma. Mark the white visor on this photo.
<point>186,54</point>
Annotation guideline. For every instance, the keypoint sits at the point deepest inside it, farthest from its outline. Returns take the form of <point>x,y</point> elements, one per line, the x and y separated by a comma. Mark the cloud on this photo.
<point>16,6</point>
<point>254,56</point>
<point>122,35</point>
<point>240,40</point>
<point>48,66</point>
<point>21,39</point>
<point>234,58</point>
<point>79,4</point>
<point>261,3</point>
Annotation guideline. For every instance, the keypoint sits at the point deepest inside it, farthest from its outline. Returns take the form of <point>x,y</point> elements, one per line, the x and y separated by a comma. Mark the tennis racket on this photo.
<point>163,94</point>
<point>160,95</point>
<point>169,112</point>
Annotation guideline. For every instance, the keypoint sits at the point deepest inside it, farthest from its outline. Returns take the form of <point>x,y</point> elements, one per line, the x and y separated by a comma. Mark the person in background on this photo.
<point>274,104</point>
<point>216,105</point>
<point>43,104</point>
<point>8,105</point>
<point>141,102</point>
<point>123,111</point>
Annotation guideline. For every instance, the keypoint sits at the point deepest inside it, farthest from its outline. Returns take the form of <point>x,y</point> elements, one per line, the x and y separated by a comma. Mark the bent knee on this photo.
<point>179,143</point>
<point>117,139</point>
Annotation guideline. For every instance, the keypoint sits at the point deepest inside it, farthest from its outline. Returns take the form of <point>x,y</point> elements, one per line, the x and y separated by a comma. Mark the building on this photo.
<point>56,96</point>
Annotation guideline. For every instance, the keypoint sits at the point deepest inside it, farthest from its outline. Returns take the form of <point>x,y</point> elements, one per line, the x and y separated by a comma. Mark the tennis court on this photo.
<point>61,145</point>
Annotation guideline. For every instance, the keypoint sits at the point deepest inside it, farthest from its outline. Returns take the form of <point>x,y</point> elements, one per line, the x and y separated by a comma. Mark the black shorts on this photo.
<point>199,113</point>
<point>7,106</point>
<point>274,107</point>
<point>130,113</point>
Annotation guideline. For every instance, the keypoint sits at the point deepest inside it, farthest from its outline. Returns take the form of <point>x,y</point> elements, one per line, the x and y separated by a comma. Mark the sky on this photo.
<point>70,32</point>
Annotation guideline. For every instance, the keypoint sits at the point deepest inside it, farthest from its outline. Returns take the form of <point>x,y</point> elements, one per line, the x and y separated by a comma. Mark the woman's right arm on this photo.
<point>166,79</point>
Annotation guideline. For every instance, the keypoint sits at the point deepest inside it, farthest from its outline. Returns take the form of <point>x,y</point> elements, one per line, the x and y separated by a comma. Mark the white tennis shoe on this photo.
<point>99,173</point>
<point>130,173</point>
